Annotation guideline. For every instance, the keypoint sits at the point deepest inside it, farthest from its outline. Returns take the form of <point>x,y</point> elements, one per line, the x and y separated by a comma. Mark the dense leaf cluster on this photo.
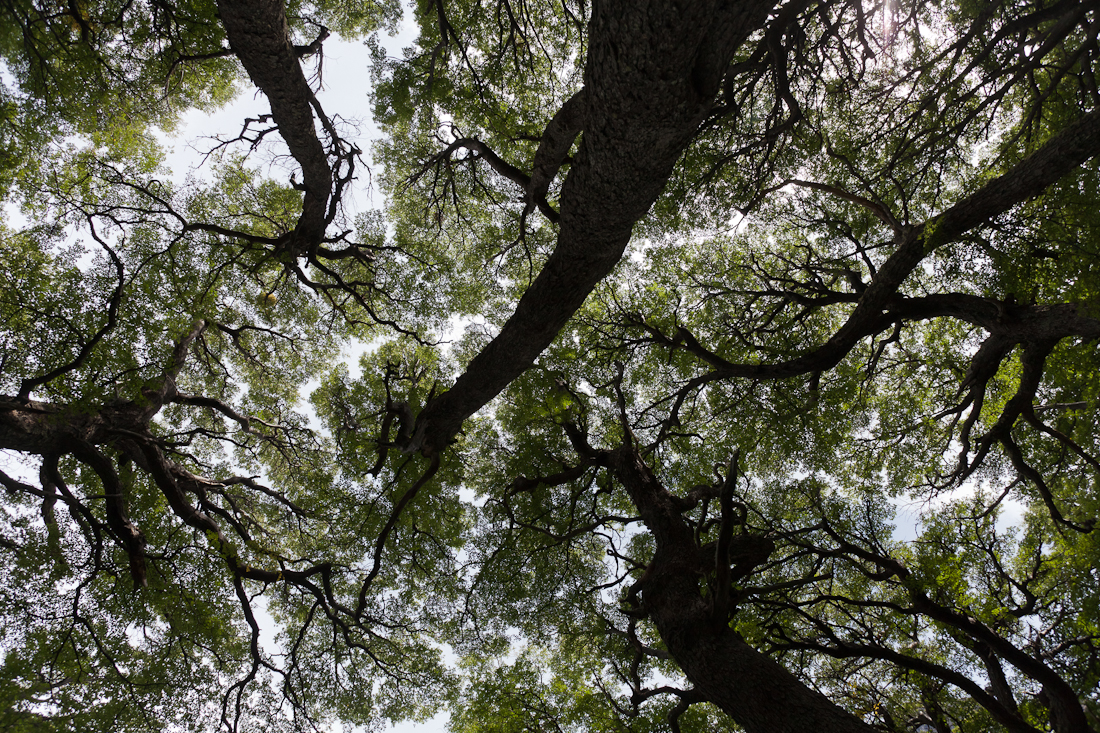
<point>717,366</point>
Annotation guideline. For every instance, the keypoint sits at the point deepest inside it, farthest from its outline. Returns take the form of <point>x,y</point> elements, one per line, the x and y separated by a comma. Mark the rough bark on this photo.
<point>258,33</point>
<point>651,77</point>
<point>556,141</point>
<point>753,689</point>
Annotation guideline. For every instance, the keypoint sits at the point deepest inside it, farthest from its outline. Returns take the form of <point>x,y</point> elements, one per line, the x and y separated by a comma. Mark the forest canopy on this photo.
<point>726,365</point>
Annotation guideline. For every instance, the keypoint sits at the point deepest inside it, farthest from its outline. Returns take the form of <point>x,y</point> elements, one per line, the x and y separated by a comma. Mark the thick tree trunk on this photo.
<point>754,690</point>
<point>651,77</point>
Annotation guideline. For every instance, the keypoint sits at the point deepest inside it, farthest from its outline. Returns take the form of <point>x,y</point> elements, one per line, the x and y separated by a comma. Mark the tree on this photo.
<point>750,276</point>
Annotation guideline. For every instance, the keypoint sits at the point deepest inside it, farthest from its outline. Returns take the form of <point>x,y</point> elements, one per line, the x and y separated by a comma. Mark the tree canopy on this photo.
<point>726,366</point>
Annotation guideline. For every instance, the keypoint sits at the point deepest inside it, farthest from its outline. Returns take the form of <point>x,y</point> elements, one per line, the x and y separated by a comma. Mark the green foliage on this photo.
<point>928,486</point>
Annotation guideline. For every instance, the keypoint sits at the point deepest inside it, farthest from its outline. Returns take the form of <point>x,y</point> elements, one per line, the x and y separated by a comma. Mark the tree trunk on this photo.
<point>651,77</point>
<point>750,687</point>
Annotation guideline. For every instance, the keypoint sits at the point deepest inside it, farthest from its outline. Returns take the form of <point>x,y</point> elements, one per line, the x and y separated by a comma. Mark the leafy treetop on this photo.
<point>746,282</point>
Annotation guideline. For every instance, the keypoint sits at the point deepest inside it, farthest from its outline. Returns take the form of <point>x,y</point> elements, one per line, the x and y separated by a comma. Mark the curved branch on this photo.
<point>380,543</point>
<point>118,519</point>
<point>245,421</point>
<point>554,147</point>
<point>844,650</point>
<point>880,211</point>
<point>1061,154</point>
